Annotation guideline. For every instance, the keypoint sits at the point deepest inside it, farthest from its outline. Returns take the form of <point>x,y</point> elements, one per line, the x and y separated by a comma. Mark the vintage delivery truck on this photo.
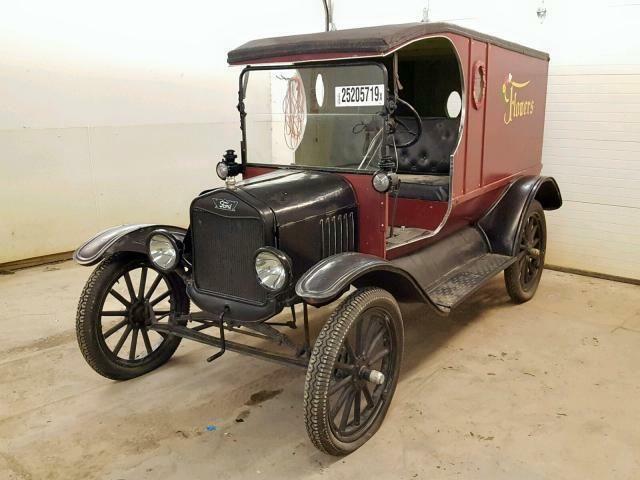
<point>390,164</point>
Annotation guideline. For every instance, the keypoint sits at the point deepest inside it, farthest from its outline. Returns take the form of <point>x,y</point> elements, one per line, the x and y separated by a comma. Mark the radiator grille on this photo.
<point>338,234</point>
<point>223,255</point>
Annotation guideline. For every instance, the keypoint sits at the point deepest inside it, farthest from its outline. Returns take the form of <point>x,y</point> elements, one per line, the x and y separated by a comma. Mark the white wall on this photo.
<point>118,111</point>
<point>592,148</point>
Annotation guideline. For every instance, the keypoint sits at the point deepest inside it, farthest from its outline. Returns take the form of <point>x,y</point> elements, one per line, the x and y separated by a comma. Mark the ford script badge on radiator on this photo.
<point>224,204</point>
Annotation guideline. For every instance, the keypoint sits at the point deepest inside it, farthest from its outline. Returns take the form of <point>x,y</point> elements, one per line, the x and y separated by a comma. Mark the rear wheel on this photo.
<point>522,278</point>
<point>120,300</point>
<point>353,371</point>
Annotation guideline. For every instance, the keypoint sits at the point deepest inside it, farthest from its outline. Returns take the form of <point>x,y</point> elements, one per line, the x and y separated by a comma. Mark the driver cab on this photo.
<point>305,116</point>
<point>428,77</point>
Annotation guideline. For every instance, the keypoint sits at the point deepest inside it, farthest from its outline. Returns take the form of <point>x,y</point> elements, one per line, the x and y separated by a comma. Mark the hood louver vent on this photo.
<point>338,234</point>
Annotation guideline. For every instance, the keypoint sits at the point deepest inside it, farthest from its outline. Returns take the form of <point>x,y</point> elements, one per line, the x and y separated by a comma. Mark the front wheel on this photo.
<point>522,278</point>
<point>120,300</point>
<point>353,371</point>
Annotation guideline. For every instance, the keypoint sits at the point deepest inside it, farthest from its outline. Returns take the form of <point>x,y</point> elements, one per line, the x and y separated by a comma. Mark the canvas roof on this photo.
<point>356,42</point>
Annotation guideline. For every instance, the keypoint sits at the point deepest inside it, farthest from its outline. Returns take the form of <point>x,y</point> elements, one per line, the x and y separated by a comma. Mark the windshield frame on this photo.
<point>242,85</point>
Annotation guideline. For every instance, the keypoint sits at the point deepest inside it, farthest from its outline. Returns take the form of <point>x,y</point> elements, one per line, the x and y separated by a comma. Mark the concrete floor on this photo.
<point>549,389</point>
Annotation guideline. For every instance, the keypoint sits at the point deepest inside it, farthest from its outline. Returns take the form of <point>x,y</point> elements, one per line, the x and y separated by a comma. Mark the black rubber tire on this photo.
<point>322,363</point>
<point>518,292</point>
<point>88,319</point>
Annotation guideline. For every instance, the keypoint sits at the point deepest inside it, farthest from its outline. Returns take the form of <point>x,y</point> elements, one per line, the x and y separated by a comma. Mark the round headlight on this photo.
<point>163,251</point>
<point>222,169</point>
<point>271,269</point>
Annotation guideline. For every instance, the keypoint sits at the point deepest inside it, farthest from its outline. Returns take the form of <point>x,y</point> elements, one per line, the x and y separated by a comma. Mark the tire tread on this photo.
<point>324,353</point>
<point>512,273</point>
<point>86,323</point>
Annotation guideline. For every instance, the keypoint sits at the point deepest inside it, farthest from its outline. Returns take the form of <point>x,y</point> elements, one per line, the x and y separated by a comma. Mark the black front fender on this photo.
<point>503,222</point>
<point>124,238</point>
<point>332,276</point>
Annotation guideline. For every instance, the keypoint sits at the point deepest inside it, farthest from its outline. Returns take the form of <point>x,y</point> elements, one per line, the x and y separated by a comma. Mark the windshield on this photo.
<point>316,116</point>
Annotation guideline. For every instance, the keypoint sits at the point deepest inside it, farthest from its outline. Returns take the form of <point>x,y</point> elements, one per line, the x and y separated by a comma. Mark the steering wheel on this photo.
<point>414,135</point>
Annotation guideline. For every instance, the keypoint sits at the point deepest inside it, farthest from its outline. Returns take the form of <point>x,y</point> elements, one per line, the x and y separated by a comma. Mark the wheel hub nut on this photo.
<point>373,376</point>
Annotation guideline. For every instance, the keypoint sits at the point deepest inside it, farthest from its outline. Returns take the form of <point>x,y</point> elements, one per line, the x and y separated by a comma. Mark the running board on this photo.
<point>466,279</point>
<point>197,336</point>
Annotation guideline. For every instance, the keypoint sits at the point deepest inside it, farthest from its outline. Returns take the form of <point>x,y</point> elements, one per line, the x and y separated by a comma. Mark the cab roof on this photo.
<point>356,42</point>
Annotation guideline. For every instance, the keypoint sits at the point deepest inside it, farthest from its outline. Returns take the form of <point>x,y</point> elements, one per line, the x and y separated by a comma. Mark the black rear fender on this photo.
<point>123,238</point>
<point>503,222</point>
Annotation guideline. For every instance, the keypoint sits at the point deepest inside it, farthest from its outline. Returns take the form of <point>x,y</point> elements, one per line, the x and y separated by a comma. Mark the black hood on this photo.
<point>295,195</point>
<point>306,214</point>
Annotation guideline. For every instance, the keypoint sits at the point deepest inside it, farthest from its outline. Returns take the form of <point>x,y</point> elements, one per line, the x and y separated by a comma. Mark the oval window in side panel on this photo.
<point>319,88</point>
<point>454,105</point>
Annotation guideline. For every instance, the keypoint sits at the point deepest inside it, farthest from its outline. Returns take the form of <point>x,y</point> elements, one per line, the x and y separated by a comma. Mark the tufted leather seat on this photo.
<point>424,166</point>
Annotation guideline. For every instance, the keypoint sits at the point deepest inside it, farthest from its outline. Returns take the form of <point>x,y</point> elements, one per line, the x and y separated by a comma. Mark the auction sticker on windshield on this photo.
<point>360,95</point>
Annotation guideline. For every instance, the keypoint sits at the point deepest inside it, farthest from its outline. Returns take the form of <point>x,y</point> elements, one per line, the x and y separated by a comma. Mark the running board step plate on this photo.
<point>466,279</point>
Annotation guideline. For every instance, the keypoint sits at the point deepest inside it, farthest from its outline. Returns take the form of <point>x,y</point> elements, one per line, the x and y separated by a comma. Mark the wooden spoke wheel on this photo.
<point>353,371</point>
<point>122,297</point>
<point>522,278</point>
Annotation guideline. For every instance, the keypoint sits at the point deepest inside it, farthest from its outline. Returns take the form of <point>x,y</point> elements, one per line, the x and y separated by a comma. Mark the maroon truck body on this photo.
<point>504,89</point>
